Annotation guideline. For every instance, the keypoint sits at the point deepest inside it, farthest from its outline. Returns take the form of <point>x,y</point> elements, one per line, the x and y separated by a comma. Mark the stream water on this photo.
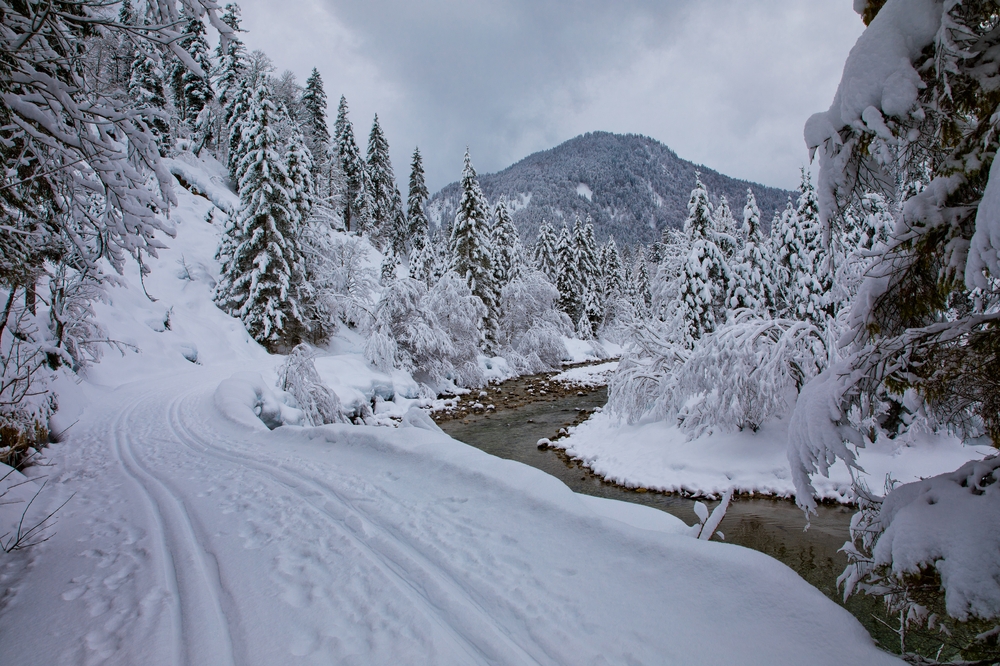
<point>772,526</point>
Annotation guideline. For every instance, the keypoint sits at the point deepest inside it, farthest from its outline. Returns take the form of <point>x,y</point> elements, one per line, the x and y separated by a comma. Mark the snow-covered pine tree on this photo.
<point>262,269</point>
<point>546,252</point>
<point>750,286</point>
<point>231,56</point>
<point>418,226</point>
<point>612,281</point>
<point>587,254</point>
<point>145,88</point>
<point>568,279</point>
<point>472,254</point>
<point>507,250</point>
<point>783,247</point>
<point>382,183</point>
<point>641,297</point>
<point>809,281</point>
<point>705,273</point>
<point>353,167</point>
<point>313,103</point>
<point>724,225</point>
<point>196,90</point>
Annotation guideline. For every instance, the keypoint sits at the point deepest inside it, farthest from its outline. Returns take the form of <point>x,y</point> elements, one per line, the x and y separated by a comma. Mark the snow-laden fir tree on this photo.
<point>784,247</point>
<point>261,263</point>
<point>507,250</point>
<point>196,90</point>
<point>705,273</point>
<point>750,285</point>
<point>145,88</point>
<point>725,227</point>
<point>612,280</point>
<point>231,59</point>
<point>313,104</point>
<point>546,252</point>
<point>421,255</point>
<point>587,254</point>
<point>568,279</point>
<point>353,167</point>
<point>641,296</point>
<point>811,269</point>
<point>472,254</point>
<point>382,183</point>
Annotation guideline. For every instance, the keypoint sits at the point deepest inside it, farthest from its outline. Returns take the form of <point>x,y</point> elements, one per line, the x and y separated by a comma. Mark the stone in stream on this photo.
<point>543,443</point>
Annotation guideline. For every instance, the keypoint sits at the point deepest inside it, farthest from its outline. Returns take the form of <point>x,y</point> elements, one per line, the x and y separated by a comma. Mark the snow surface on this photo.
<point>586,375</point>
<point>193,534</point>
<point>659,456</point>
<point>583,190</point>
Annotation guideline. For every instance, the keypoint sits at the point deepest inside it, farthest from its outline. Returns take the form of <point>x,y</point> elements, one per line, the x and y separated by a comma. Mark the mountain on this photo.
<point>631,185</point>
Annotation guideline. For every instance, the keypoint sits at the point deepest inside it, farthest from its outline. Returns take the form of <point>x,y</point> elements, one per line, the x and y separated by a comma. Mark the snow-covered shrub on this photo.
<point>298,376</point>
<point>343,276</point>
<point>25,404</point>
<point>530,324</point>
<point>432,333</point>
<point>934,536</point>
<point>737,377</point>
<point>246,399</point>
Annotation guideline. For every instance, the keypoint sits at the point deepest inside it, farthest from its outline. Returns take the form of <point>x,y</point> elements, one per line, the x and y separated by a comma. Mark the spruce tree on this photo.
<point>314,107</point>
<point>642,298</point>
<point>196,90</point>
<point>568,280</point>
<point>613,278</point>
<point>724,225</point>
<point>472,256</point>
<point>814,278</point>
<point>418,226</point>
<point>705,274</point>
<point>382,183</point>
<point>586,253</point>
<point>546,254</point>
<point>262,270</point>
<point>231,55</point>
<point>353,167</point>
<point>145,88</point>
<point>751,285</point>
<point>784,249</point>
<point>507,250</point>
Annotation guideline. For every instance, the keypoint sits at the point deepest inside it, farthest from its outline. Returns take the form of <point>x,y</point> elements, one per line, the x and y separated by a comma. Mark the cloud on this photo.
<point>728,83</point>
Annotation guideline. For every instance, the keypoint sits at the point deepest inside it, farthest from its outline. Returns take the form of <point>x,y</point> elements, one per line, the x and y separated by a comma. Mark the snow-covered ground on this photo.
<point>587,375</point>
<point>659,456</point>
<point>190,537</point>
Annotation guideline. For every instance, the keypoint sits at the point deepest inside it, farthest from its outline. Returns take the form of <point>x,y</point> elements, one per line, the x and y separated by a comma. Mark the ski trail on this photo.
<point>430,587</point>
<point>201,632</point>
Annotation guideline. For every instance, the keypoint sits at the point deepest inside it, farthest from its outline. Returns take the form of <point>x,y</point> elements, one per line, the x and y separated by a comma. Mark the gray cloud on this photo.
<point>725,82</point>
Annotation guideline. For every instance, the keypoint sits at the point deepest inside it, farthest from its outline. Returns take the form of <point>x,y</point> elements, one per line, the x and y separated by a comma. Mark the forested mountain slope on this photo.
<point>631,185</point>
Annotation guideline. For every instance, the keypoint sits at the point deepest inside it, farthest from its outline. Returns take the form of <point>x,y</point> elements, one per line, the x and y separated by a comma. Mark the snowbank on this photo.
<point>587,375</point>
<point>246,399</point>
<point>659,456</point>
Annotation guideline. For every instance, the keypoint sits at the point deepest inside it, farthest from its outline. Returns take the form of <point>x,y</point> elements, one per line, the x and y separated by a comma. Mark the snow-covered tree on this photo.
<point>472,254</point>
<point>356,210</point>
<point>507,250</point>
<point>385,209</point>
<point>145,87</point>
<point>568,280</point>
<point>313,104</point>
<point>705,273</point>
<point>750,285</point>
<point>262,266</point>
<point>639,293</point>
<point>812,267</point>
<point>231,58</point>
<point>724,225</point>
<point>546,252</point>
<point>531,325</point>
<point>195,87</point>
<point>418,226</point>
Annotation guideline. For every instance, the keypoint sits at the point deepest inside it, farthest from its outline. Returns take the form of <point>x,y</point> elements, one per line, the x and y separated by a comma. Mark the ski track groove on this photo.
<point>201,631</point>
<point>502,649</point>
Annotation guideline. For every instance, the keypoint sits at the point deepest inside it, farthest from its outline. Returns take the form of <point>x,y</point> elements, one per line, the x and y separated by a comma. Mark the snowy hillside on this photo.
<point>190,533</point>
<point>632,186</point>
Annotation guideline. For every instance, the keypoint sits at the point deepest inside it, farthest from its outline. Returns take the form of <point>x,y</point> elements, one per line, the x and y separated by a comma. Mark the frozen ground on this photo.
<point>659,456</point>
<point>191,538</point>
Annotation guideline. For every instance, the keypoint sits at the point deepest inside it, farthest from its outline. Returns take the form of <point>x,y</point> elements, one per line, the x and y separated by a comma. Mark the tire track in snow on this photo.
<point>431,587</point>
<point>201,632</point>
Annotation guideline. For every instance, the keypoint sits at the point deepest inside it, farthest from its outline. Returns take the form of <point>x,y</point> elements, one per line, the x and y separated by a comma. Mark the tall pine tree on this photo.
<point>472,256</point>
<point>196,90</point>
<point>704,274</point>
<point>353,167</point>
<point>569,282</point>
<point>507,250</point>
<point>262,270</point>
<point>751,286</point>
<point>546,252</point>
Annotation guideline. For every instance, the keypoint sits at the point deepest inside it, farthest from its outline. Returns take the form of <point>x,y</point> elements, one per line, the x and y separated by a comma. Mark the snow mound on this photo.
<point>587,375</point>
<point>247,400</point>
<point>950,522</point>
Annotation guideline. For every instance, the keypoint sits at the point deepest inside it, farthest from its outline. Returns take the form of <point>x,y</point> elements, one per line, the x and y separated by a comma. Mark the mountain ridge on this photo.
<point>631,185</point>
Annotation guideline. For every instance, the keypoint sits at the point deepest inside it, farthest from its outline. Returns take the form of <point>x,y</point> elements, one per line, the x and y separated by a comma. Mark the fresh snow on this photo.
<point>192,533</point>
<point>586,375</point>
<point>660,456</point>
<point>583,190</point>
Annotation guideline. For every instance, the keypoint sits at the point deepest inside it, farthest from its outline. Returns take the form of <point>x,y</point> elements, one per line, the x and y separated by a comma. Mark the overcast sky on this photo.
<point>725,83</point>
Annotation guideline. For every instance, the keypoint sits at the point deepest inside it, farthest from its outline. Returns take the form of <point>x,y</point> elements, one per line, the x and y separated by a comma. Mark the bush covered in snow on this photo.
<point>298,376</point>
<point>531,327</point>
<point>431,332</point>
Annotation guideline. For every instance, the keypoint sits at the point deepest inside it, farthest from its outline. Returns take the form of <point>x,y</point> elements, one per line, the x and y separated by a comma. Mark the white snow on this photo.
<point>194,534</point>
<point>659,456</point>
<point>583,190</point>
<point>586,375</point>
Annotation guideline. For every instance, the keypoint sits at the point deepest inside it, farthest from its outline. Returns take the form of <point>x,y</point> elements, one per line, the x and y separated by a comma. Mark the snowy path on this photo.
<point>192,540</point>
